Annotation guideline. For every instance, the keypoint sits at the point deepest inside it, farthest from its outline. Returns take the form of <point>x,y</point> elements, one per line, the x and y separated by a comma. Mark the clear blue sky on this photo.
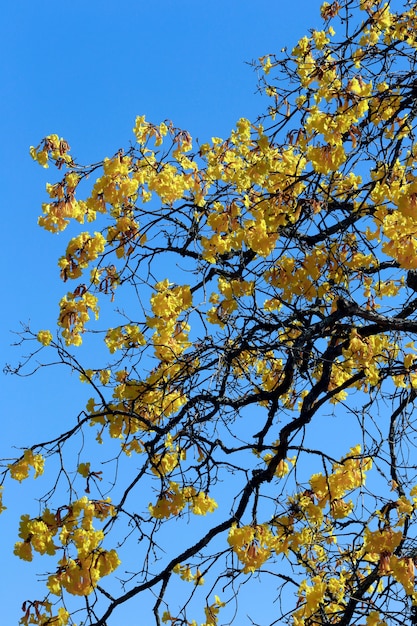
<point>84,70</point>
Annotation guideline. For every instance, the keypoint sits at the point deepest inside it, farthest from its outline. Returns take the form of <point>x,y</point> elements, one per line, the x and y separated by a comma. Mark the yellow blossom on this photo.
<point>20,469</point>
<point>44,337</point>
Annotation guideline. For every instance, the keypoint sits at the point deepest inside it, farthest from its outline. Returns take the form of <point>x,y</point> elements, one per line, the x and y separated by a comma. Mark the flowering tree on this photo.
<point>256,293</point>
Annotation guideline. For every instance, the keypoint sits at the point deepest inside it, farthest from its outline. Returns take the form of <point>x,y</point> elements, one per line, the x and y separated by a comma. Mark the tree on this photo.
<point>255,293</point>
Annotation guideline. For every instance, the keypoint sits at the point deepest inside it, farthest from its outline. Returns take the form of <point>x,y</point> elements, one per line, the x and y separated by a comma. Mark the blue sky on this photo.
<point>84,70</point>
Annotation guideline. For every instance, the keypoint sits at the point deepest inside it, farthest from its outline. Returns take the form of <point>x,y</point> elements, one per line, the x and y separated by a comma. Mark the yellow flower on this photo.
<point>84,469</point>
<point>44,337</point>
<point>266,65</point>
<point>326,158</point>
<point>202,504</point>
<point>380,541</point>
<point>320,39</point>
<point>23,550</point>
<point>20,470</point>
<point>374,619</point>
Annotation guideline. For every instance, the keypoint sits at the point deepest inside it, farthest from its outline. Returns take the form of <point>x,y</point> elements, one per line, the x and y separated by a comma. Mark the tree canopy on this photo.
<point>244,314</point>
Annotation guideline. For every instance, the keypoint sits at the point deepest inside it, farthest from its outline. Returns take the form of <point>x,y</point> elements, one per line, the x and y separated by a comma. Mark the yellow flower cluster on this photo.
<point>73,526</point>
<point>365,353</point>
<point>20,469</point>
<point>52,147</point>
<point>141,405</point>
<point>174,499</point>
<point>127,336</point>
<point>80,576</point>
<point>402,238</point>
<point>123,235</point>
<point>74,314</point>
<point>164,464</point>
<point>170,301</point>
<point>241,165</point>
<point>81,250</point>
<point>381,541</point>
<point>44,337</point>
<point>347,476</point>
<point>56,215</point>
<point>252,545</point>
<point>231,290</point>
<point>64,206</point>
<point>144,131</point>
<point>116,186</point>
<point>170,339</point>
<point>327,158</point>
